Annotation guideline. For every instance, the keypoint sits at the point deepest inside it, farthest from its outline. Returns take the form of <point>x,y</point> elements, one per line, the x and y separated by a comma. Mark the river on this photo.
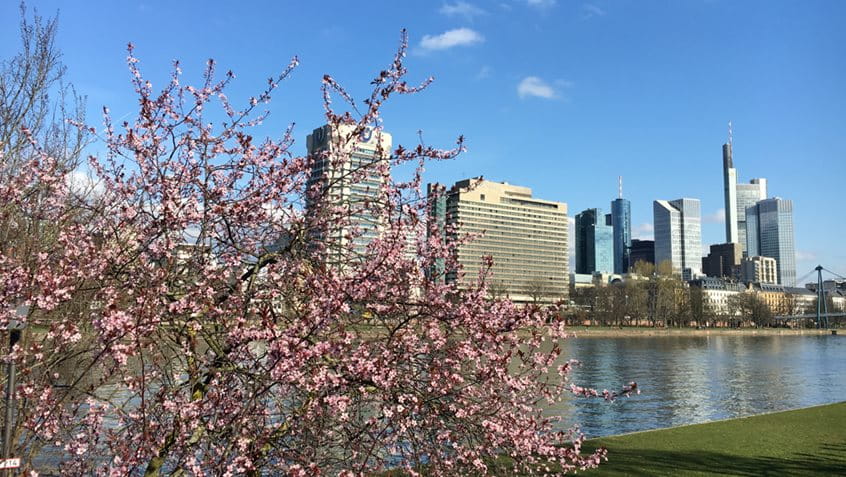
<point>694,379</point>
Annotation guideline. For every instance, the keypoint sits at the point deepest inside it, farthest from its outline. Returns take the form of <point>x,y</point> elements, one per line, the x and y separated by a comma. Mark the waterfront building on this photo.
<point>641,251</point>
<point>782,300</point>
<point>621,223</point>
<point>525,236</point>
<point>770,234</point>
<point>678,229</point>
<point>717,293</point>
<point>348,173</point>
<point>738,197</point>
<point>594,242</point>
<point>759,269</point>
<point>723,261</point>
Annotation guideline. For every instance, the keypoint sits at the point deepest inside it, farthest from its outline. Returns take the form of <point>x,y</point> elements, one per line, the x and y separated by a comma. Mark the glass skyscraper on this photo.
<point>678,235</point>
<point>738,197</point>
<point>594,243</point>
<point>621,222</point>
<point>769,226</point>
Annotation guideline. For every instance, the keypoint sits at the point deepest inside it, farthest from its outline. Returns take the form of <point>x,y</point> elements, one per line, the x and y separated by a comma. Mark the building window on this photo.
<point>483,196</point>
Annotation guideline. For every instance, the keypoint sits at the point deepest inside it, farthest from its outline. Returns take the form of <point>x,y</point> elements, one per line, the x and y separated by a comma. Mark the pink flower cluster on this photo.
<point>188,314</point>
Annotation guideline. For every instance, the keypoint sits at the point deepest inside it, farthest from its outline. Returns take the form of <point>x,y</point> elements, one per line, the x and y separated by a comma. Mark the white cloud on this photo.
<point>805,256</point>
<point>590,10</point>
<point>461,9</point>
<point>84,184</point>
<point>718,217</point>
<point>534,86</point>
<point>484,72</point>
<point>451,38</point>
<point>644,231</point>
<point>541,3</point>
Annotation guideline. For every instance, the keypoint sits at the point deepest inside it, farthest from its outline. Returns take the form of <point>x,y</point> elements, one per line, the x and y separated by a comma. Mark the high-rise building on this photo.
<point>525,236</point>
<point>730,191</point>
<point>678,232</point>
<point>642,251</point>
<point>436,205</point>
<point>738,197</point>
<point>759,270</point>
<point>594,242</point>
<point>349,170</point>
<point>747,196</point>
<point>621,222</point>
<point>723,261</point>
<point>770,234</point>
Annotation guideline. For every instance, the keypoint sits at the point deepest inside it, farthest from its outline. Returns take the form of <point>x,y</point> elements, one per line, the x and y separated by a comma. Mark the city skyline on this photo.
<point>562,91</point>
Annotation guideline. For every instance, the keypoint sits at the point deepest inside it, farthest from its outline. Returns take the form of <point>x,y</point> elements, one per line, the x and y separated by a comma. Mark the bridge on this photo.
<point>822,315</point>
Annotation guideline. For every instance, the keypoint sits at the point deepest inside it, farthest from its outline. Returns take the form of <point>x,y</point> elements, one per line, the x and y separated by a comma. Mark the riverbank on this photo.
<point>810,441</point>
<point>648,331</point>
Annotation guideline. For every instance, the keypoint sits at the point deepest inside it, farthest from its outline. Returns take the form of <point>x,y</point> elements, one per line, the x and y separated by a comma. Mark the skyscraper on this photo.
<point>738,197</point>
<point>678,235</point>
<point>525,236</point>
<point>747,196</point>
<point>621,221</point>
<point>770,234</point>
<point>594,243</point>
<point>730,190</point>
<point>348,173</point>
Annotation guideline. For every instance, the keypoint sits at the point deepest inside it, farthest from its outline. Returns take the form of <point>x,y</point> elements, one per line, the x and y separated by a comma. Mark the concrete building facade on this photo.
<point>347,170</point>
<point>759,269</point>
<point>525,236</point>
<point>723,261</point>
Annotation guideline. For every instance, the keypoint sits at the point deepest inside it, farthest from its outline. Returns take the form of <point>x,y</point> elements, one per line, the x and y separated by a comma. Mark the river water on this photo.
<point>688,380</point>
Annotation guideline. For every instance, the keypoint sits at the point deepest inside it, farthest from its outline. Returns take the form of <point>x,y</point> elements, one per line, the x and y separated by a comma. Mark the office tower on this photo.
<point>730,191</point>
<point>350,171</point>
<point>678,227</point>
<point>770,234</point>
<point>747,196</point>
<point>594,243</point>
<point>436,205</point>
<point>621,222</point>
<point>641,251</point>
<point>723,261</point>
<point>738,197</point>
<point>525,236</point>
<point>759,270</point>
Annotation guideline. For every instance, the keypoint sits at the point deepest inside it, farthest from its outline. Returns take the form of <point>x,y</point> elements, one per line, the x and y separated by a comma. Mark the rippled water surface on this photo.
<point>687,380</point>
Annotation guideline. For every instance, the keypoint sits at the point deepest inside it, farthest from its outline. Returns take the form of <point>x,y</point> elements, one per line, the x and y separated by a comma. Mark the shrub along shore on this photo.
<point>810,441</point>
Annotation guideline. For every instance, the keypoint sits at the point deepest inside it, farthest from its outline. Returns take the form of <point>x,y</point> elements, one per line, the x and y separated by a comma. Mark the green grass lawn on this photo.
<point>808,441</point>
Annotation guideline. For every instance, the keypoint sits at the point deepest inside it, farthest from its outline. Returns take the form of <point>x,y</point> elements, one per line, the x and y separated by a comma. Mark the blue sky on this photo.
<point>561,96</point>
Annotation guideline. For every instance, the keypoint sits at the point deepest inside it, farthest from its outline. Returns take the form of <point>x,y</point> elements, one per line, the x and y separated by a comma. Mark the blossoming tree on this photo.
<point>184,319</point>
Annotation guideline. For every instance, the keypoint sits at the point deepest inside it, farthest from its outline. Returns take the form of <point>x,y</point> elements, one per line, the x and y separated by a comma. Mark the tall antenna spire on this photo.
<point>620,185</point>
<point>729,132</point>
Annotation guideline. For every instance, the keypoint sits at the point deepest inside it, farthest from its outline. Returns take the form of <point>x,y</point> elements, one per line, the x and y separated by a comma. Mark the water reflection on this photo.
<point>688,380</point>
